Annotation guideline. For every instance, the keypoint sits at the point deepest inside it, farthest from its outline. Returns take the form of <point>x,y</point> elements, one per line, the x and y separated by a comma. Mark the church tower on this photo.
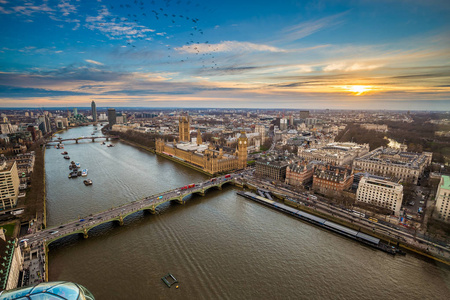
<point>242,150</point>
<point>184,127</point>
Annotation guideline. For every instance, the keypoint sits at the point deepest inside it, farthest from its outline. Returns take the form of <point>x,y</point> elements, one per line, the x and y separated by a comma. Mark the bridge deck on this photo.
<point>118,214</point>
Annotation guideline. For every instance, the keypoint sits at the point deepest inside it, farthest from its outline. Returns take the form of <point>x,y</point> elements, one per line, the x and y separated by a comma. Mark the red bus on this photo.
<point>227,176</point>
<point>191,185</point>
<point>184,187</point>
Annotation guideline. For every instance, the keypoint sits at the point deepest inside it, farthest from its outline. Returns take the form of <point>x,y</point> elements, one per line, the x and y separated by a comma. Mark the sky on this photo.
<point>366,54</point>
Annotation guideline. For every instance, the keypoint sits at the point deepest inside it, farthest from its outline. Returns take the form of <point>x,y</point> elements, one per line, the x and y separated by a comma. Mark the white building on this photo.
<point>382,193</point>
<point>9,185</point>
<point>442,211</point>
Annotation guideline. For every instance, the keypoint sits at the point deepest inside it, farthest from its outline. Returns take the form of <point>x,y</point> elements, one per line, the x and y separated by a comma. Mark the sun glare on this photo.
<point>359,89</point>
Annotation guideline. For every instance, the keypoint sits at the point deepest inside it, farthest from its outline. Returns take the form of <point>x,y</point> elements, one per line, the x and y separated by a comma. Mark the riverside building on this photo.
<point>332,178</point>
<point>299,174</point>
<point>388,162</point>
<point>442,210</point>
<point>380,192</point>
<point>203,155</point>
<point>9,185</point>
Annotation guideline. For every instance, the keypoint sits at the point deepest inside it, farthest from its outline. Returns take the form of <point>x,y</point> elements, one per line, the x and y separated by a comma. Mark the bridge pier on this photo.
<point>180,200</point>
<point>107,138</point>
<point>93,139</point>
<point>121,221</point>
<point>202,193</point>
<point>219,187</point>
<point>76,141</point>
<point>85,233</point>
<point>153,210</point>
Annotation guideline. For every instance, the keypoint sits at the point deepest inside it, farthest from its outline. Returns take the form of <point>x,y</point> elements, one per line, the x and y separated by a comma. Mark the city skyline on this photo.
<point>312,55</point>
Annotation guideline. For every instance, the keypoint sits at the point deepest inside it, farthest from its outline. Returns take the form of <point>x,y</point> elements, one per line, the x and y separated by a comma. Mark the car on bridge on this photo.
<point>160,197</point>
<point>54,232</point>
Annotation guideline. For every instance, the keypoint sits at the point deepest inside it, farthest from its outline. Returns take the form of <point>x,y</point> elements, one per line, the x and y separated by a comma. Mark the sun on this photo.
<point>359,89</point>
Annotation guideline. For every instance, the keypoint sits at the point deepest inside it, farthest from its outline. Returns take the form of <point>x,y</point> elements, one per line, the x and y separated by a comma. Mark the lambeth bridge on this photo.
<point>118,214</point>
<point>92,138</point>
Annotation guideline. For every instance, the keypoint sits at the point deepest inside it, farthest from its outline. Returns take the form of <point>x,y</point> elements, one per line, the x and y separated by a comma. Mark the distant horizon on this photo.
<point>218,108</point>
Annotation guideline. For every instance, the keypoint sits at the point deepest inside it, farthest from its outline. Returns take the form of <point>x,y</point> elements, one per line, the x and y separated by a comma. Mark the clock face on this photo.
<point>245,142</point>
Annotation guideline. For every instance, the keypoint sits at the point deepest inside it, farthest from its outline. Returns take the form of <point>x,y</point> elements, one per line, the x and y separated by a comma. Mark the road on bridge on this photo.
<point>112,214</point>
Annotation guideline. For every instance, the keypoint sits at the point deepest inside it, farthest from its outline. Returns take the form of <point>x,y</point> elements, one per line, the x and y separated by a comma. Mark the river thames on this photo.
<point>220,246</point>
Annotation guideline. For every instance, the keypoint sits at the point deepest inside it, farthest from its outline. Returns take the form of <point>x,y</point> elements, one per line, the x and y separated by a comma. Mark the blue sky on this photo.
<point>266,54</point>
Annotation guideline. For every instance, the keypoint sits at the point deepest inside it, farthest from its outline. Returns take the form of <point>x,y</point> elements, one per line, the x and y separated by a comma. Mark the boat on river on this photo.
<point>84,172</point>
<point>66,157</point>
<point>87,182</point>
<point>64,153</point>
<point>77,164</point>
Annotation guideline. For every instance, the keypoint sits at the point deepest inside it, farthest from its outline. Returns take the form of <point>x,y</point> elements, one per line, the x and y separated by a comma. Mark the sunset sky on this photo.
<point>367,54</point>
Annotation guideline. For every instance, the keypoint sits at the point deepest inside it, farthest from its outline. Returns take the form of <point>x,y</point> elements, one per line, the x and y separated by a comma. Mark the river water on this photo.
<point>220,246</point>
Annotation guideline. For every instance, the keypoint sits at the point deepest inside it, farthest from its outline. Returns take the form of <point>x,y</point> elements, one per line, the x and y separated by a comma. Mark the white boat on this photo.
<point>77,164</point>
<point>84,172</point>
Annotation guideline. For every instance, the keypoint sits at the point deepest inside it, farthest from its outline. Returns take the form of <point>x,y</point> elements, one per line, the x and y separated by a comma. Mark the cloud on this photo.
<point>93,62</point>
<point>349,67</point>
<point>304,29</point>
<point>229,46</point>
<point>66,8</point>
<point>13,92</point>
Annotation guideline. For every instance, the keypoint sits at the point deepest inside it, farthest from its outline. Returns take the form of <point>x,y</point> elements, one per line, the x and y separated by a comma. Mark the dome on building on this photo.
<point>55,290</point>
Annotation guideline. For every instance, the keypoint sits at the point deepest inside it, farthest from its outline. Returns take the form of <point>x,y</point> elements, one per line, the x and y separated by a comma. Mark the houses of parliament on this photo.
<point>203,155</point>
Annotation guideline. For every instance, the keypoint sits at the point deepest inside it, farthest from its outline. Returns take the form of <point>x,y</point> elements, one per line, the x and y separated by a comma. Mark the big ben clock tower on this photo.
<point>242,150</point>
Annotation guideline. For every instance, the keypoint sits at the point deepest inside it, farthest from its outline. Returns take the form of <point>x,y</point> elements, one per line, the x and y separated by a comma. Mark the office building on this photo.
<point>111,117</point>
<point>394,163</point>
<point>380,192</point>
<point>332,178</point>
<point>9,185</point>
<point>442,210</point>
<point>338,154</point>
<point>94,111</point>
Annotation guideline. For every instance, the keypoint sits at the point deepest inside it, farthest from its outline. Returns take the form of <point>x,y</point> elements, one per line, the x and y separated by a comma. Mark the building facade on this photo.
<point>380,192</point>
<point>111,117</point>
<point>338,154</point>
<point>299,174</point>
<point>9,185</point>
<point>12,261</point>
<point>442,210</point>
<point>332,178</point>
<point>94,111</point>
<point>273,167</point>
<point>205,157</point>
<point>388,162</point>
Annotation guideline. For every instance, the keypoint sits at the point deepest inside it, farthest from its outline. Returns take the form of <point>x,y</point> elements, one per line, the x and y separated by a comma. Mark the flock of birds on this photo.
<point>138,11</point>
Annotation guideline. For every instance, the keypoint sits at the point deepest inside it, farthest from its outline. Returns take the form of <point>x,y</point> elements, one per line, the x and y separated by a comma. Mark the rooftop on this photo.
<point>445,183</point>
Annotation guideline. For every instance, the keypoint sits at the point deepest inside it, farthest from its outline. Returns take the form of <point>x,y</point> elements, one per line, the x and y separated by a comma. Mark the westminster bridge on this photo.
<point>119,213</point>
